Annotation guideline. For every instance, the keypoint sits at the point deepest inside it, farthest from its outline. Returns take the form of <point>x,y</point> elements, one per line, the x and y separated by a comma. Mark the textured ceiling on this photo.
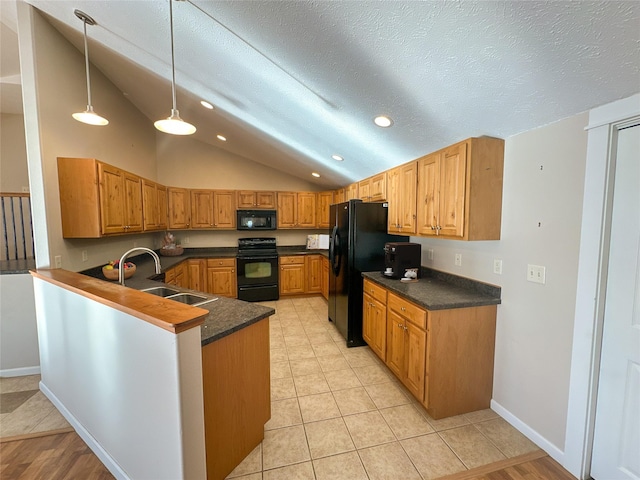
<point>294,82</point>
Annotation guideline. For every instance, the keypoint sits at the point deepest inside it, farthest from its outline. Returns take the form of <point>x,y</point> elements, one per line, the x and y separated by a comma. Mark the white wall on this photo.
<point>13,154</point>
<point>132,390</point>
<point>535,322</point>
<point>18,334</point>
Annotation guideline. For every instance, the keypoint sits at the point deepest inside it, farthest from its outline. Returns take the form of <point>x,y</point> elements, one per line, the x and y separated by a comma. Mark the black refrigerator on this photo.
<point>356,245</point>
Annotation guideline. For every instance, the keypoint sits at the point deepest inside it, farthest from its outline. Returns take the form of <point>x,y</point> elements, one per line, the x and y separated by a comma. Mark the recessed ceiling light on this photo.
<point>317,175</point>
<point>221,138</point>
<point>337,158</point>
<point>383,121</point>
<point>206,104</point>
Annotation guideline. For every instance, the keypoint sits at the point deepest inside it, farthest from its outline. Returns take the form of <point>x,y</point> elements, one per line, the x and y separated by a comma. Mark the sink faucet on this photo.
<point>155,256</point>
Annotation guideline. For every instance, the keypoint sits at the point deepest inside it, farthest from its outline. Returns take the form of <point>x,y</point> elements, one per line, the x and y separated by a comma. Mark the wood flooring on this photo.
<point>66,457</point>
<point>53,457</point>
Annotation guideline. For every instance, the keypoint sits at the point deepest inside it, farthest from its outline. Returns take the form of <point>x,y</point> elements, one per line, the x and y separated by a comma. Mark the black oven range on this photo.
<point>257,267</point>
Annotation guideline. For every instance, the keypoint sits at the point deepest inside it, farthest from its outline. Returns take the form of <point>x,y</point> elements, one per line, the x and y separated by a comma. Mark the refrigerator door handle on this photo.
<point>334,251</point>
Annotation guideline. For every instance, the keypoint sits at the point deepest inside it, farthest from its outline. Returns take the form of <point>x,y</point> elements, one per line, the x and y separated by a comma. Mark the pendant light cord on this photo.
<point>173,63</point>
<point>86,62</point>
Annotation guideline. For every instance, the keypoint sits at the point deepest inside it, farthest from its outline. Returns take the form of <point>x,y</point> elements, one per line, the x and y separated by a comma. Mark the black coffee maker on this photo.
<point>400,257</point>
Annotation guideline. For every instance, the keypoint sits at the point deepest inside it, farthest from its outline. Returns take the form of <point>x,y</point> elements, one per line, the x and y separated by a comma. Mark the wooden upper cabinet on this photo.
<point>287,209</point>
<point>373,189</point>
<point>351,192</point>
<point>224,213</point>
<point>297,209</point>
<point>154,205</point>
<point>133,203</point>
<point>401,194</point>
<point>247,199</point>
<point>460,190</point>
<point>339,195</point>
<point>179,202</point>
<point>112,199</point>
<point>325,199</point>
<point>201,209</point>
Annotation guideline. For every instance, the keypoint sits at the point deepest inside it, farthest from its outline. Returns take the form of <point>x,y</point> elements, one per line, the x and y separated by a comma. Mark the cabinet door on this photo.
<point>291,279</point>
<point>313,278</point>
<point>393,194</point>
<point>246,199</point>
<point>265,200</point>
<point>306,210</point>
<point>364,190</point>
<point>197,278</point>
<point>374,323</point>
<point>161,206</point>
<point>414,359</point>
<point>378,189</point>
<point>339,196</point>
<point>201,208</point>
<point>133,203</point>
<point>351,192</point>
<point>149,205</point>
<point>453,172</point>
<point>287,209</point>
<point>325,199</point>
<point>179,207</point>
<point>428,181</point>
<point>222,280</point>
<point>112,203</point>
<point>182,275</point>
<point>395,343</point>
<point>325,278</point>
<point>224,202</point>
<point>408,186</point>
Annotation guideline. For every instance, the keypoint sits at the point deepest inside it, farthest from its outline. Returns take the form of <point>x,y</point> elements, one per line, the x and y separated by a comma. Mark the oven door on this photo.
<point>257,278</point>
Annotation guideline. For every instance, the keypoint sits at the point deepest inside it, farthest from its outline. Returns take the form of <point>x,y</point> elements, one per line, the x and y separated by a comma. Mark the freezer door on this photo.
<point>338,271</point>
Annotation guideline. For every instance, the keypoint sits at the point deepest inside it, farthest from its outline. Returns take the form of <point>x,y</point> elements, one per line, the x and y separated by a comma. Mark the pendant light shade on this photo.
<point>88,116</point>
<point>174,124</point>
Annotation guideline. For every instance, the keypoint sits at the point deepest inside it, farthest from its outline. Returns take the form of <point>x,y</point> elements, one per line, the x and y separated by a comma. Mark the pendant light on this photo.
<point>174,124</point>
<point>88,116</point>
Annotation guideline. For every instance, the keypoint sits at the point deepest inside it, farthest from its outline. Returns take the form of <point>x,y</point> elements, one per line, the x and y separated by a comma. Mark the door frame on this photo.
<point>604,124</point>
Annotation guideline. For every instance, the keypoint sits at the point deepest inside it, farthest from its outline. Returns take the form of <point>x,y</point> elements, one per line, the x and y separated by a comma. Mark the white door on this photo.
<point>616,448</point>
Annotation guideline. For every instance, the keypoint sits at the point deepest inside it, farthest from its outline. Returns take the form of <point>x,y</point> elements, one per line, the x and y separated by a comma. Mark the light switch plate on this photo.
<point>536,274</point>
<point>85,257</point>
<point>430,254</point>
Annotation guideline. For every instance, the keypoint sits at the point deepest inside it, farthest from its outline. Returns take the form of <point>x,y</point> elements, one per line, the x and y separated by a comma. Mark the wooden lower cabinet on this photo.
<point>292,275</point>
<point>197,270</point>
<point>313,274</point>
<point>221,277</point>
<point>236,393</point>
<point>374,318</point>
<point>178,275</point>
<point>325,278</point>
<point>443,357</point>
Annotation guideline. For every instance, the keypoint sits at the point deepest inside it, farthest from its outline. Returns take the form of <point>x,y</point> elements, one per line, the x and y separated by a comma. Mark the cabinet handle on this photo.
<point>400,325</point>
<point>403,309</point>
<point>232,271</point>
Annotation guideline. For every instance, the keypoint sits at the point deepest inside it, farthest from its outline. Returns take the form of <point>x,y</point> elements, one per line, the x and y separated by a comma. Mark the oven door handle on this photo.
<point>266,257</point>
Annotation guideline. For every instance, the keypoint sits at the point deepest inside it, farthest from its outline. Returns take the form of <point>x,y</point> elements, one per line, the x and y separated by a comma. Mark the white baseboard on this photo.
<point>93,444</point>
<point>20,372</point>
<point>553,451</point>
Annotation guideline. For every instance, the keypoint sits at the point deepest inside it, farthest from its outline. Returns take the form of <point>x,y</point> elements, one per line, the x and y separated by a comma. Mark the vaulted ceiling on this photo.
<point>295,82</point>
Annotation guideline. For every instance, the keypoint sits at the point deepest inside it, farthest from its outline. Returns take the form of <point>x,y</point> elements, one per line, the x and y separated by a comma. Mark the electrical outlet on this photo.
<point>58,261</point>
<point>85,257</point>
<point>186,240</point>
<point>135,244</point>
<point>536,274</point>
<point>458,260</point>
<point>497,266</point>
<point>430,254</point>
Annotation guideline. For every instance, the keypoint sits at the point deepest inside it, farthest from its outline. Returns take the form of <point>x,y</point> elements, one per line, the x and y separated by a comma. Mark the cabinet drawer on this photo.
<point>298,259</point>
<point>408,310</point>
<point>221,262</point>
<point>376,291</point>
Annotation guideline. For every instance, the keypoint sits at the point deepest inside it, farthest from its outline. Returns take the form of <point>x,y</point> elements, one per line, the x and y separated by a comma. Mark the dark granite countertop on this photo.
<point>301,250</point>
<point>15,267</point>
<point>226,315</point>
<point>441,291</point>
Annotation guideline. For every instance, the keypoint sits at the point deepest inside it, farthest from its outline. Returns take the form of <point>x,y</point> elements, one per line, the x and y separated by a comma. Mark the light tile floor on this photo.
<point>25,409</point>
<point>339,413</point>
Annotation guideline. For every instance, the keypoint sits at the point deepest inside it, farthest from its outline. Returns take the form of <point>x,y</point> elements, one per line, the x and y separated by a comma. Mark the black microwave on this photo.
<point>256,220</point>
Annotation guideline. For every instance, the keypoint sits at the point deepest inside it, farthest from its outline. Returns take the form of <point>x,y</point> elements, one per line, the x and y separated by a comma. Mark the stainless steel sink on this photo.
<point>160,291</point>
<point>190,299</point>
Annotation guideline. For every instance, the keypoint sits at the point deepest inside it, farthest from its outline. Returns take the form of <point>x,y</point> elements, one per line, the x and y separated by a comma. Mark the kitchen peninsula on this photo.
<point>122,363</point>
